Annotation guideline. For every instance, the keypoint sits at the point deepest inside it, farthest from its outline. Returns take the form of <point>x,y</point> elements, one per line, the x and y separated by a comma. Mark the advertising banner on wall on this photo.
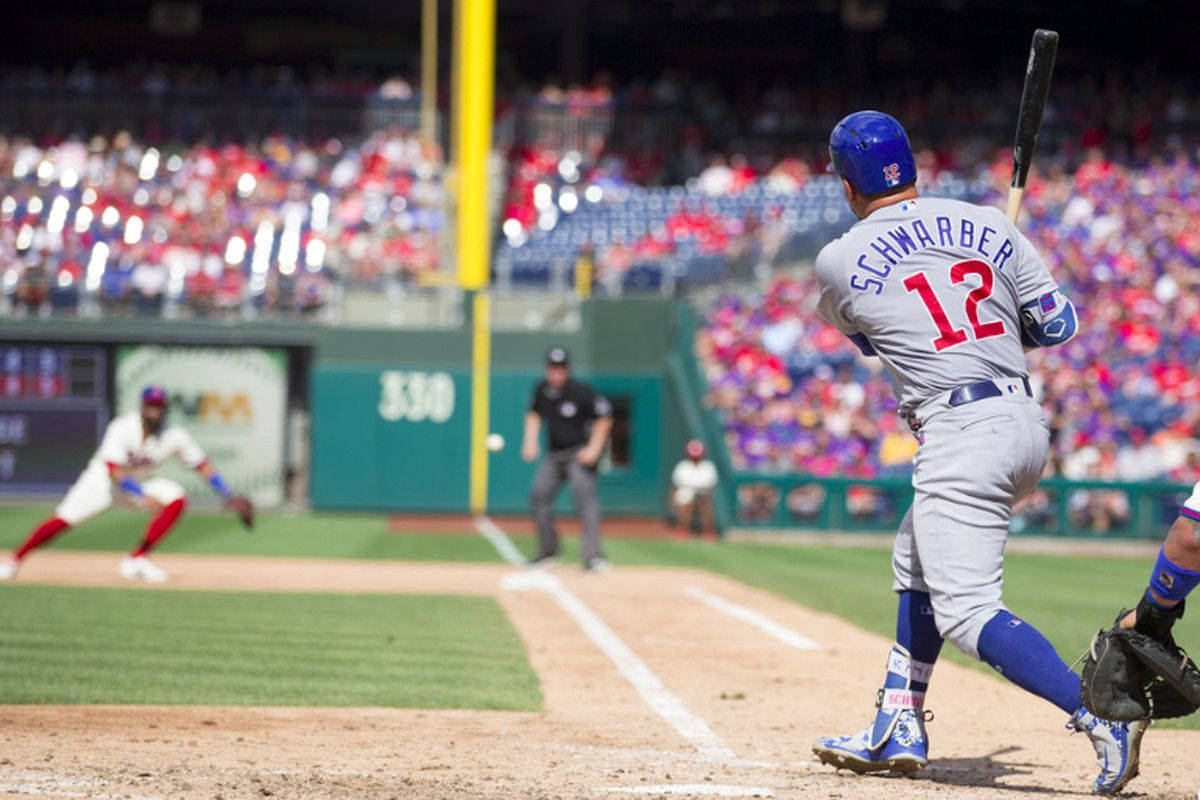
<point>53,407</point>
<point>233,400</point>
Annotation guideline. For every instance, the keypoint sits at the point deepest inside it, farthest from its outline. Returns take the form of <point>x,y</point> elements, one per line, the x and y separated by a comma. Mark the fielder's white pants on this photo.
<point>94,492</point>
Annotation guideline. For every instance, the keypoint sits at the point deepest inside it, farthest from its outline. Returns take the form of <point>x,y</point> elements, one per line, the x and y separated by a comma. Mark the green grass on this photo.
<point>1066,597</point>
<point>323,535</point>
<point>76,645</point>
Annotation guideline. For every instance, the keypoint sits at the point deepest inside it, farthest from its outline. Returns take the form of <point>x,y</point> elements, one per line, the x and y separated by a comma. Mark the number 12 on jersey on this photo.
<point>949,336</point>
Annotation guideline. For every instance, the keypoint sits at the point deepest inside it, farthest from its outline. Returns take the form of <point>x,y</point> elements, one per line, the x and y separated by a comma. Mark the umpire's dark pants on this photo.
<point>557,468</point>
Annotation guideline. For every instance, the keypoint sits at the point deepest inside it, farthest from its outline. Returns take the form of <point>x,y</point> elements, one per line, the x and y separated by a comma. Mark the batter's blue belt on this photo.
<point>980,390</point>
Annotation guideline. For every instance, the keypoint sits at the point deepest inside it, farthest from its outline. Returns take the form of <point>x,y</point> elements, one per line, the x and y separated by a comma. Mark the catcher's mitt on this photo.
<point>243,508</point>
<point>1140,673</point>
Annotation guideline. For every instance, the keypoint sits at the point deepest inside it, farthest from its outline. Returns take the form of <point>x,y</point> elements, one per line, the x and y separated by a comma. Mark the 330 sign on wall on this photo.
<point>416,396</point>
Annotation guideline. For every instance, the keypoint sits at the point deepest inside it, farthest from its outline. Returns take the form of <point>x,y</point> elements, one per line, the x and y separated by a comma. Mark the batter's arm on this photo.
<point>1048,321</point>
<point>529,442</point>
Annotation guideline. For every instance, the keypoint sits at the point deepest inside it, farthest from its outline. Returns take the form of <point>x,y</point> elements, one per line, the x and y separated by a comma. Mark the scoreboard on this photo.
<point>53,408</point>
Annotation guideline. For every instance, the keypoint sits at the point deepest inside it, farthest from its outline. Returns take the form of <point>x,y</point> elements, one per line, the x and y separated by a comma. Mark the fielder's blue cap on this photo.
<point>154,395</point>
<point>870,149</point>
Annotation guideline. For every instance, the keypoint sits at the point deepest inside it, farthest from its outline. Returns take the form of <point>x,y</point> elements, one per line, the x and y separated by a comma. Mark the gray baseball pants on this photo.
<point>974,462</point>
<point>557,468</point>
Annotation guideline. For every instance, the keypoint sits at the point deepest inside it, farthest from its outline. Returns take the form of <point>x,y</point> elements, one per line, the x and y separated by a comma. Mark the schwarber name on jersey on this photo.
<point>126,446</point>
<point>937,289</point>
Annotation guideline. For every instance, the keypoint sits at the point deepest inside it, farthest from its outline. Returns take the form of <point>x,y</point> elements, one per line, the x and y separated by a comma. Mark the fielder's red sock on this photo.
<point>159,526</point>
<point>42,534</point>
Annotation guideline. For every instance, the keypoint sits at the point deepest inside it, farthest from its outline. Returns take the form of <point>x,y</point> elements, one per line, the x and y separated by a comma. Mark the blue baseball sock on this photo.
<point>917,634</point>
<point>1019,652</point>
<point>1170,581</point>
<point>916,630</point>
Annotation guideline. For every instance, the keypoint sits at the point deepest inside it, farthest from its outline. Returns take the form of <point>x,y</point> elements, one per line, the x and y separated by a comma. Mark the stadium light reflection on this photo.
<point>58,214</point>
<point>96,266</point>
<point>25,237</point>
<point>314,255</point>
<point>264,240</point>
<point>149,165</point>
<point>83,219</point>
<point>246,184</point>
<point>235,251</point>
<point>133,230</point>
<point>319,217</point>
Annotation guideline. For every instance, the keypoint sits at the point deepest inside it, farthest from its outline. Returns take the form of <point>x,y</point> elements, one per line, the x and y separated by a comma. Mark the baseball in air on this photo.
<point>495,442</point>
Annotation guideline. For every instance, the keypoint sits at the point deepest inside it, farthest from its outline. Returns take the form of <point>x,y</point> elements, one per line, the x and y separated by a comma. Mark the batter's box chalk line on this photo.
<point>531,580</point>
<point>764,623</point>
<point>641,754</point>
<point>632,668</point>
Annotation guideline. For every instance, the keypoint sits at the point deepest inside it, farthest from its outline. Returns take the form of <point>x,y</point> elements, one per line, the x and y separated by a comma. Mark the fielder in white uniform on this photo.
<point>692,484</point>
<point>133,447</point>
<point>947,294</point>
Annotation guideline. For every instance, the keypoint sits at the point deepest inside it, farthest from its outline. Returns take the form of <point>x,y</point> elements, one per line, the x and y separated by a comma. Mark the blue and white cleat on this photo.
<point>899,744</point>
<point>896,740</point>
<point>1117,745</point>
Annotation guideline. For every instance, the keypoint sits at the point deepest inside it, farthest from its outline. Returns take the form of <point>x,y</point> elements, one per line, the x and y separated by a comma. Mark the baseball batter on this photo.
<point>947,294</point>
<point>134,445</point>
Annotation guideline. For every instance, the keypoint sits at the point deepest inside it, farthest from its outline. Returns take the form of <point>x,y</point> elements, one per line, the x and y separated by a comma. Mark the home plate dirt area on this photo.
<point>657,683</point>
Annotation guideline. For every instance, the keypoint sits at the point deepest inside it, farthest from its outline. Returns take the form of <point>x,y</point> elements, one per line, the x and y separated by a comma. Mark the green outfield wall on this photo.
<point>389,408</point>
<point>395,437</point>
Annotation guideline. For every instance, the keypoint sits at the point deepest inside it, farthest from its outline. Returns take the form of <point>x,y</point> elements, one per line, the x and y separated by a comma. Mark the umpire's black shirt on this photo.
<point>568,412</point>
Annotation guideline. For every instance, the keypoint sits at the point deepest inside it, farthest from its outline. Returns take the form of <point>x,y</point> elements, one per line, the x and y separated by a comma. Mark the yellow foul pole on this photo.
<point>474,66</point>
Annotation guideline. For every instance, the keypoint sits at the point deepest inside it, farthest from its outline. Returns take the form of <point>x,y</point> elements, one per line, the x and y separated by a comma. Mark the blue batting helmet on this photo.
<point>870,149</point>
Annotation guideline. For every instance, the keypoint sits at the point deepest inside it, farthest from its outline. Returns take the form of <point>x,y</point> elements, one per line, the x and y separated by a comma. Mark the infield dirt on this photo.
<point>595,738</point>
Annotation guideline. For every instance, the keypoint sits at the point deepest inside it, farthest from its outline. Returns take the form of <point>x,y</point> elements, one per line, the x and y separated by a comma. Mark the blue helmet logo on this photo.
<point>870,150</point>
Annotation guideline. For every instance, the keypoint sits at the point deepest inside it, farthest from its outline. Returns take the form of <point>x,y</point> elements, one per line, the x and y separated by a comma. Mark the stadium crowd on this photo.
<point>1122,398</point>
<point>275,225</point>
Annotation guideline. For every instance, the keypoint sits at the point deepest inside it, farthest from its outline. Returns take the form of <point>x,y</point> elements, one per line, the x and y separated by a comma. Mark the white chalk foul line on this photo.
<point>752,617</point>
<point>703,789</point>
<point>660,699</point>
<point>499,539</point>
<point>43,785</point>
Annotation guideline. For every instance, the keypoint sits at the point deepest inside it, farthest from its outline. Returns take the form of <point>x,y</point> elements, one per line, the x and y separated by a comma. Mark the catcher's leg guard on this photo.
<point>896,740</point>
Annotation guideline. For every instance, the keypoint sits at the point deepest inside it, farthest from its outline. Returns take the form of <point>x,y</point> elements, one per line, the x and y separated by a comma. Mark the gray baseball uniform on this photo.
<point>935,288</point>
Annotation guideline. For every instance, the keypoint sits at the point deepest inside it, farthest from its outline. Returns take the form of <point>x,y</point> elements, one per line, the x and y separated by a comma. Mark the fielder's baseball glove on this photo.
<point>243,508</point>
<point>1140,673</point>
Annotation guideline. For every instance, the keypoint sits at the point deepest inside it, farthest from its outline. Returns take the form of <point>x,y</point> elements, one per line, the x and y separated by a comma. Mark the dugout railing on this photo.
<point>1059,507</point>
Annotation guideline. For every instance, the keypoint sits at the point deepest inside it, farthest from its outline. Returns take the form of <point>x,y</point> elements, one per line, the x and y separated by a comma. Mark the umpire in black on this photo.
<point>578,422</point>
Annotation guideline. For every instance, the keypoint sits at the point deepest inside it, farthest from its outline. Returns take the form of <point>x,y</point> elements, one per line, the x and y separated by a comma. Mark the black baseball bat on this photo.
<point>1029,118</point>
